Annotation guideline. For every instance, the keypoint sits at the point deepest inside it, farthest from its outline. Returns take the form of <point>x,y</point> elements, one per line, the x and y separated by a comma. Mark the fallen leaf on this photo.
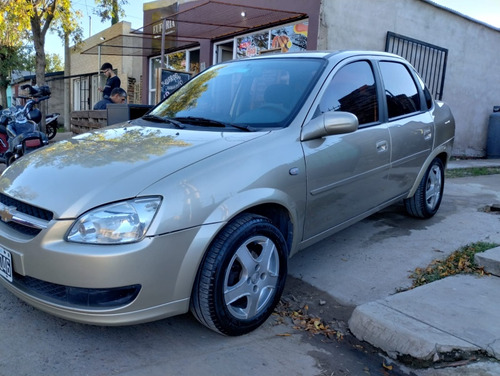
<point>386,366</point>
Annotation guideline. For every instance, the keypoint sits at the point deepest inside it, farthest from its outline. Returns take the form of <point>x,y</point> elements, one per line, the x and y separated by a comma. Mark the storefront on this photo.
<point>196,34</point>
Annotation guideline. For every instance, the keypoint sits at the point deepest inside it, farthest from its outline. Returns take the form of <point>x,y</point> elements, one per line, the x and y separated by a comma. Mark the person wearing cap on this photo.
<point>112,81</point>
<point>118,95</point>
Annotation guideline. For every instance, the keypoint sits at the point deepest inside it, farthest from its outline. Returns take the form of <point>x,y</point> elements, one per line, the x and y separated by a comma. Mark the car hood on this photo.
<point>73,176</point>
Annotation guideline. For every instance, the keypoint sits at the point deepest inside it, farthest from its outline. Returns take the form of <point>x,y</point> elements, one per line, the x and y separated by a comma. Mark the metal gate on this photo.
<point>429,60</point>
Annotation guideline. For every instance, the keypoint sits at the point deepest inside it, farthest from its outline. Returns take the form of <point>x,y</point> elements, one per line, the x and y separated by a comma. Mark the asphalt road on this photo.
<point>34,343</point>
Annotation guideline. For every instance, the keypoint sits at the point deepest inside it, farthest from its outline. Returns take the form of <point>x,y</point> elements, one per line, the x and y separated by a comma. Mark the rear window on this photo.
<point>401,93</point>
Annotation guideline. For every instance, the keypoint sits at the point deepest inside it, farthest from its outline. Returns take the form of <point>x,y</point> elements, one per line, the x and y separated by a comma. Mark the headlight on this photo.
<point>118,223</point>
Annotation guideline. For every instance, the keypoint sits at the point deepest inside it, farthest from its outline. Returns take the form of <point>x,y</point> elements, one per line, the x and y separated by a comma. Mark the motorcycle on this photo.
<point>51,123</point>
<point>19,129</point>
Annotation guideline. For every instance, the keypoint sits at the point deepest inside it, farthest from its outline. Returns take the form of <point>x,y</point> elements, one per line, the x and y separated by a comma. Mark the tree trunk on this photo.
<point>67,88</point>
<point>3,96</point>
<point>39,43</point>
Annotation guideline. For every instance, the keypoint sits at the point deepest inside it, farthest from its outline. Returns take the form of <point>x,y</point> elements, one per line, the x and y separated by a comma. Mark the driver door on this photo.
<point>347,174</point>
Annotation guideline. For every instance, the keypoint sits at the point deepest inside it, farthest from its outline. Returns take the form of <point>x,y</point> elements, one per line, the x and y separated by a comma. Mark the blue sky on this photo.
<point>484,10</point>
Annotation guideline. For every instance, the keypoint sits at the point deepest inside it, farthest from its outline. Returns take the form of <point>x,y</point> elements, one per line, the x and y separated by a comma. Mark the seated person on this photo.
<point>118,95</point>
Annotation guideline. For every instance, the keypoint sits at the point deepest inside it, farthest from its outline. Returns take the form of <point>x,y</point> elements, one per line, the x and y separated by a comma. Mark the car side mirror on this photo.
<point>330,123</point>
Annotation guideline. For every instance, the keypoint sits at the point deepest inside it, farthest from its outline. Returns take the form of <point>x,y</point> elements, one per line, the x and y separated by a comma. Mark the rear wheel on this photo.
<point>51,131</point>
<point>242,276</point>
<point>427,199</point>
<point>10,158</point>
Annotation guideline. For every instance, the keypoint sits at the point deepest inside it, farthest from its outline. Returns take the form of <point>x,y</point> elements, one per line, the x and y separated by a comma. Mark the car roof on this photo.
<point>329,55</point>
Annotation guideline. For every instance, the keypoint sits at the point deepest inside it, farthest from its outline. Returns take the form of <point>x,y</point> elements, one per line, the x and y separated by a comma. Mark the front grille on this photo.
<point>26,208</point>
<point>31,210</point>
<point>78,296</point>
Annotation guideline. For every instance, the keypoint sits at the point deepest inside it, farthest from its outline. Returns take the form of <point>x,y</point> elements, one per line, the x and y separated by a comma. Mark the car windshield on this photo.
<point>243,95</point>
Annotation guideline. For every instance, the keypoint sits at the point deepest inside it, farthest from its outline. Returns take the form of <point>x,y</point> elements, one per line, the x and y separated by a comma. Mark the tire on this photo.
<point>51,131</point>
<point>10,159</point>
<point>241,277</point>
<point>427,198</point>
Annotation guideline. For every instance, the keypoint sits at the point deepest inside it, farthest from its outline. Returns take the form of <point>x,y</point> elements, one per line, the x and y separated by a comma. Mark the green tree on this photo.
<point>54,63</point>
<point>34,18</point>
<point>11,51</point>
<point>110,10</point>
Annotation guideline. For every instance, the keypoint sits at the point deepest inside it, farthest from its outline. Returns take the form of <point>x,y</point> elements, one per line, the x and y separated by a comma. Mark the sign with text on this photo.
<point>168,80</point>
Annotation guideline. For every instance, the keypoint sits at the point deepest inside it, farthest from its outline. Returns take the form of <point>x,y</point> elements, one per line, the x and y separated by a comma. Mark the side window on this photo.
<point>427,93</point>
<point>352,89</point>
<point>401,92</point>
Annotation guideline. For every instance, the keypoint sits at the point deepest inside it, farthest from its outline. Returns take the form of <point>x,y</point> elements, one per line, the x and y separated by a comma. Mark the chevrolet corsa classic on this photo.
<point>199,204</point>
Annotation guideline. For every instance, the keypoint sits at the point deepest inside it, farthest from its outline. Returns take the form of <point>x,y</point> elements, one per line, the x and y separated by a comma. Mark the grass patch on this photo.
<point>473,171</point>
<point>459,262</point>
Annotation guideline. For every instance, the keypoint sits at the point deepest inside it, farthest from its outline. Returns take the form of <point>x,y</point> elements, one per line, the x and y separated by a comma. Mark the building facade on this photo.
<point>87,58</point>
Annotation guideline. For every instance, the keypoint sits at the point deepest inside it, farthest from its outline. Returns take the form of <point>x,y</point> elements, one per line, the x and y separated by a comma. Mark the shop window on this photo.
<point>176,61</point>
<point>251,45</point>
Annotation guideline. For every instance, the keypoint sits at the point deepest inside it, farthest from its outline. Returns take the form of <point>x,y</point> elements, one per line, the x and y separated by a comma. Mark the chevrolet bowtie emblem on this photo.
<point>6,213</point>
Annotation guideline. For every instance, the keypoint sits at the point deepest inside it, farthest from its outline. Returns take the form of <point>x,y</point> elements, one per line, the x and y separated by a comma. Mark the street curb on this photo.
<point>399,334</point>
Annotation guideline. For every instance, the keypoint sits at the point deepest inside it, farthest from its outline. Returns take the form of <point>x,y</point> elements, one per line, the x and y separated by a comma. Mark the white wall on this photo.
<point>472,85</point>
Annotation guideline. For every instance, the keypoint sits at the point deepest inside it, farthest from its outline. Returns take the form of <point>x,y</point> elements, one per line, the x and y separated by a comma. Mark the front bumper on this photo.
<point>107,284</point>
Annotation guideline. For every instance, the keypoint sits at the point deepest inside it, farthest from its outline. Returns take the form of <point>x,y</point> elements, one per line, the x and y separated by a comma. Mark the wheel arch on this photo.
<point>443,154</point>
<point>279,216</point>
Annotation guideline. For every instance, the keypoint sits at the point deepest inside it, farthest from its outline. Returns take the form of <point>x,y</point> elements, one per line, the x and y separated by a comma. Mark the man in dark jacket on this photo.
<point>112,80</point>
<point>118,95</point>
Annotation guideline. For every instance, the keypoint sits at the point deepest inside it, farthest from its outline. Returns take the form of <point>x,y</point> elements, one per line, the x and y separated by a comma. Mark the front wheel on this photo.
<point>242,276</point>
<point>427,199</point>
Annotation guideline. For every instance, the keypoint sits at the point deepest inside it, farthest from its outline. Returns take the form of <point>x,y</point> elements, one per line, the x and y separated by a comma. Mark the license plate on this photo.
<point>33,143</point>
<point>5,264</point>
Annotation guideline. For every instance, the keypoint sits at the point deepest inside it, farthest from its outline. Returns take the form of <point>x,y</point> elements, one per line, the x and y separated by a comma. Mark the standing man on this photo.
<point>112,81</point>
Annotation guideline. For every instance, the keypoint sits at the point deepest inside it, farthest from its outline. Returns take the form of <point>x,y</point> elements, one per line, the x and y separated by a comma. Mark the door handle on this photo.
<point>427,134</point>
<point>382,146</point>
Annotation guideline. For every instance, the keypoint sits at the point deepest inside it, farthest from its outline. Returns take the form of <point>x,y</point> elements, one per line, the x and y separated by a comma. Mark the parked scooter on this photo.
<point>19,130</point>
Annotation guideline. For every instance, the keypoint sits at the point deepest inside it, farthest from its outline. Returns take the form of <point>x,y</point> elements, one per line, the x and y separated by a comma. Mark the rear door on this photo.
<point>410,125</point>
<point>347,174</point>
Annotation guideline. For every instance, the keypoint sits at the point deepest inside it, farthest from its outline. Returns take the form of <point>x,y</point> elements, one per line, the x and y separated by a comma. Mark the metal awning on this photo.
<point>206,20</point>
<point>136,45</point>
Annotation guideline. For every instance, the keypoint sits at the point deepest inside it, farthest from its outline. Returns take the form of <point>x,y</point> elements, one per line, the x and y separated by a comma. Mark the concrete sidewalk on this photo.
<point>451,319</point>
<point>450,322</point>
<point>470,163</point>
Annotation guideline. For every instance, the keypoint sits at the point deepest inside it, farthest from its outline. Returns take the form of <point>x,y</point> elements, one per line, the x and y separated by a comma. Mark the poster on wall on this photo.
<point>168,80</point>
<point>286,38</point>
<point>291,38</point>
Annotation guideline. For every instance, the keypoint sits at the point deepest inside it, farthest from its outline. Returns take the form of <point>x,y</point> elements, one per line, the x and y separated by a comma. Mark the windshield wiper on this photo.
<point>167,120</point>
<point>211,123</point>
